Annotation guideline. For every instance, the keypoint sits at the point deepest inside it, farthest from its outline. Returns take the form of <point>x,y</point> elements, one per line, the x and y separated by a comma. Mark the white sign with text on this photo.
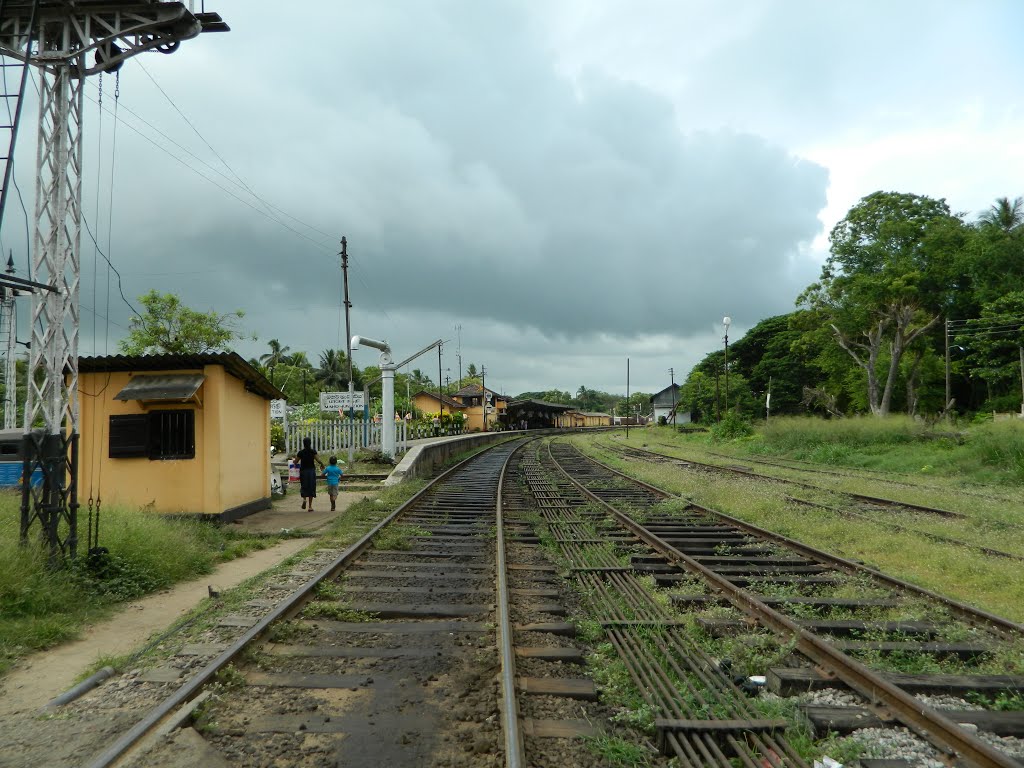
<point>277,408</point>
<point>340,401</point>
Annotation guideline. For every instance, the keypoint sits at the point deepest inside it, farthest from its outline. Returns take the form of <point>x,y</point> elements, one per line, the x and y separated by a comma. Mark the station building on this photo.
<point>179,434</point>
<point>666,403</point>
<point>481,404</point>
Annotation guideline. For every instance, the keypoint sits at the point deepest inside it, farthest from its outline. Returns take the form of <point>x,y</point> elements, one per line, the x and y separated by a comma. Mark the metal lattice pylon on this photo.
<point>8,341</point>
<point>64,34</point>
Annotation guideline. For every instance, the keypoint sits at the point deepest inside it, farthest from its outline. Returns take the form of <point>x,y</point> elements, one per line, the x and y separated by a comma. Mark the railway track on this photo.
<point>386,656</point>
<point>845,623</point>
<point>870,504</point>
<point>439,638</point>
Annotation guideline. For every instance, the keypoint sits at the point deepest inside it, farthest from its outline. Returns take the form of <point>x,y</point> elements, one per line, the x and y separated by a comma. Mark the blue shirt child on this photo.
<point>333,474</point>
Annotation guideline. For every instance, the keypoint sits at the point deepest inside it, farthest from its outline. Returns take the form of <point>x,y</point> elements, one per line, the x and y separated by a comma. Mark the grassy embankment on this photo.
<point>41,607</point>
<point>977,472</point>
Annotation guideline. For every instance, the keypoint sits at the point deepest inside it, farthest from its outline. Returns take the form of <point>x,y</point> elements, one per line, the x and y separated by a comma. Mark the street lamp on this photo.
<point>726,321</point>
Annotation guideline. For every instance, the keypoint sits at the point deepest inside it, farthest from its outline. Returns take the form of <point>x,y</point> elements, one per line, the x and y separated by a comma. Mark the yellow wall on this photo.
<point>244,467</point>
<point>231,465</point>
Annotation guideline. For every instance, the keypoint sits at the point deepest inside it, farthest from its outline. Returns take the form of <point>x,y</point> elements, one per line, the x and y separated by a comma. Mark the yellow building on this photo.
<point>182,434</point>
<point>479,404</point>
<point>427,402</point>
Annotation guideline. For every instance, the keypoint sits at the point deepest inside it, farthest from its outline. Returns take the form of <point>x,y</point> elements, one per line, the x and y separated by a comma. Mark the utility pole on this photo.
<point>945,405</point>
<point>68,42</point>
<point>348,352</point>
<point>458,351</point>
<point>672,378</point>
<point>483,393</point>
<point>627,398</point>
<point>440,393</point>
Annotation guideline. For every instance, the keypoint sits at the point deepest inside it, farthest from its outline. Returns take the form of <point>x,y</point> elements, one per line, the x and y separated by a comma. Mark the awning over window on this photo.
<point>168,386</point>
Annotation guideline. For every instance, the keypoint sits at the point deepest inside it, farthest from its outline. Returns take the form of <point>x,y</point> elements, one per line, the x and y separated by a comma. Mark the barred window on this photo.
<point>157,435</point>
<point>172,434</point>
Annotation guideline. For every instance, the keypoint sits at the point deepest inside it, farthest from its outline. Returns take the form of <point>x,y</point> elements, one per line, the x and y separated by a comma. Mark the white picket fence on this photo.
<point>337,435</point>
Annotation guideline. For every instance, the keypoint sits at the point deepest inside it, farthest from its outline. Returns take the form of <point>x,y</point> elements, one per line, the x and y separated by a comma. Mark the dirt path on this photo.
<point>43,676</point>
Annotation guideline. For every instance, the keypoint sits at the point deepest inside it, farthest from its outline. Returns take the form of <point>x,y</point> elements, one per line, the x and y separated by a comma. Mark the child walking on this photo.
<point>333,474</point>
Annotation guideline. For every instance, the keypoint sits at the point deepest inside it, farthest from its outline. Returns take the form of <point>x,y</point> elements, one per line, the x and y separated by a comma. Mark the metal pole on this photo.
<point>440,393</point>
<point>945,405</point>
<point>672,378</point>
<point>627,398</point>
<point>1021,351</point>
<point>10,324</point>
<point>483,393</point>
<point>727,371</point>
<point>348,347</point>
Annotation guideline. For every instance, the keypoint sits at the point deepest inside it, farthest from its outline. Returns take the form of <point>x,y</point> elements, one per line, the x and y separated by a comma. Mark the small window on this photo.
<point>156,435</point>
<point>172,435</point>
<point>129,436</point>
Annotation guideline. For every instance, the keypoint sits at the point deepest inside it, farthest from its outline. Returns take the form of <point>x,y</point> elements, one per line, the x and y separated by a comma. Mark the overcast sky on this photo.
<point>573,182</point>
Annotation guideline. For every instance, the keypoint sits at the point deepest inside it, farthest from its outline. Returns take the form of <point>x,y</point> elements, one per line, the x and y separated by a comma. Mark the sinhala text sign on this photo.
<point>340,401</point>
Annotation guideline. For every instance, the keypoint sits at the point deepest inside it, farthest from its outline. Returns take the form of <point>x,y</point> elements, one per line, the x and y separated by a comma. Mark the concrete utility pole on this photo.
<point>672,378</point>
<point>348,348</point>
<point>67,42</point>
<point>483,392</point>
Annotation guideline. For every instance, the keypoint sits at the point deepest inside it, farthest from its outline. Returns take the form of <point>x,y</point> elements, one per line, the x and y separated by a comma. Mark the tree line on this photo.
<point>908,285</point>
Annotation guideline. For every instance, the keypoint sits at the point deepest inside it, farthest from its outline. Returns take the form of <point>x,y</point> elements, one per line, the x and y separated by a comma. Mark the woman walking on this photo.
<point>307,472</point>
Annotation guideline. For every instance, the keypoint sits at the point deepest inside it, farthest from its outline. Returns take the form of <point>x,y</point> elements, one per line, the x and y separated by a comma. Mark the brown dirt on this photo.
<point>39,678</point>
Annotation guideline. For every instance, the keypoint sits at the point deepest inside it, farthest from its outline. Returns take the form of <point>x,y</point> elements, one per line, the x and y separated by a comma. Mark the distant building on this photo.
<point>427,402</point>
<point>666,403</point>
<point>481,404</point>
<point>581,419</point>
<point>536,414</point>
<point>182,434</point>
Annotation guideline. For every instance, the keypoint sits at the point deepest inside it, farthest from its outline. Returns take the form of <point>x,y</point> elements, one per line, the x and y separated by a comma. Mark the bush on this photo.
<point>277,436</point>
<point>731,427</point>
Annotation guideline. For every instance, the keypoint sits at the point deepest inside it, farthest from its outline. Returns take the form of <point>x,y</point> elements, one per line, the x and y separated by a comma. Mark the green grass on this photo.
<point>41,607</point>
<point>996,521</point>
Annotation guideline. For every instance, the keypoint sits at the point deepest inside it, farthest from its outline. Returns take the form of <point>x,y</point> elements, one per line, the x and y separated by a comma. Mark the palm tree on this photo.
<point>277,355</point>
<point>333,370</point>
<point>1004,214</point>
<point>299,360</point>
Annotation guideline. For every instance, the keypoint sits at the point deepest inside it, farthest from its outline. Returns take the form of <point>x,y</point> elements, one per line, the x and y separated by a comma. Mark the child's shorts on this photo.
<point>332,491</point>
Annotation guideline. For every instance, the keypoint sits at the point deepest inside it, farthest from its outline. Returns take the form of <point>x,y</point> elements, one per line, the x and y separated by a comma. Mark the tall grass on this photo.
<point>988,452</point>
<point>796,434</point>
<point>41,606</point>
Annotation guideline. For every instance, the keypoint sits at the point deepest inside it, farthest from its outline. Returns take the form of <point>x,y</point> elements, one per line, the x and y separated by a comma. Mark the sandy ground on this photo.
<point>45,675</point>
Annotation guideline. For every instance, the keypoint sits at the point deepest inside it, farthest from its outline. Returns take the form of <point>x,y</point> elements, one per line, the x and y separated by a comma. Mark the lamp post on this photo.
<point>727,321</point>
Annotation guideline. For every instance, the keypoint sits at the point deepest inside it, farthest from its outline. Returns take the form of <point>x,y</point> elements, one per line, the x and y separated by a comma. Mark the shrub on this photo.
<point>731,427</point>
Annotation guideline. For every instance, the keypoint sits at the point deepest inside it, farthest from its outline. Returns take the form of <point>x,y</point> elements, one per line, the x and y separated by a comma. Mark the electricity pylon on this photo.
<point>8,339</point>
<point>68,42</point>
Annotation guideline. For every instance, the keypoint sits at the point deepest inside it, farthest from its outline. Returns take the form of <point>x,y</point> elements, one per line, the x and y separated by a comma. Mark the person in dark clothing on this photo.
<point>308,460</point>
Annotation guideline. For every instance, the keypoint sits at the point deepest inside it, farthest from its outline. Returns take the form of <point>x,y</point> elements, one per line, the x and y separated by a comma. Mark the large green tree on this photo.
<point>994,346</point>
<point>166,326</point>
<point>887,283</point>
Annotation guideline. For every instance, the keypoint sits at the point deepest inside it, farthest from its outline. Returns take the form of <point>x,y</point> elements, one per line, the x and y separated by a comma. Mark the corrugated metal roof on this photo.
<point>167,386</point>
<point>232,362</point>
<point>519,404</point>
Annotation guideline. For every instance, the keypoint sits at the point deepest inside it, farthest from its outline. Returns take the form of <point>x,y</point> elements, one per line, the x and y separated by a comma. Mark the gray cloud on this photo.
<point>476,180</point>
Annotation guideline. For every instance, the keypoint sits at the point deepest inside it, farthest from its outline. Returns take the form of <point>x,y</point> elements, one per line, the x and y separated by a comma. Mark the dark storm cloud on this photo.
<point>467,171</point>
<point>477,183</point>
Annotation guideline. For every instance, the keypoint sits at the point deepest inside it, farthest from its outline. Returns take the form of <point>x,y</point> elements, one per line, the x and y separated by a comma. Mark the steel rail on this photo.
<point>800,484</point>
<point>514,747</point>
<point>923,720</point>
<point>962,610</point>
<point>291,606</point>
